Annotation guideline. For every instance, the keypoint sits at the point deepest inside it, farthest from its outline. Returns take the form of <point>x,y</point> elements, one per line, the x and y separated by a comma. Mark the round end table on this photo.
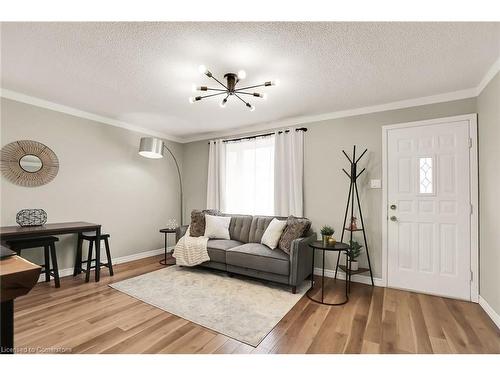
<point>339,247</point>
<point>168,261</point>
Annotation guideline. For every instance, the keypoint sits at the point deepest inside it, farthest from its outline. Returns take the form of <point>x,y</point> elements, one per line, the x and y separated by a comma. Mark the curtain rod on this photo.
<point>260,135</point>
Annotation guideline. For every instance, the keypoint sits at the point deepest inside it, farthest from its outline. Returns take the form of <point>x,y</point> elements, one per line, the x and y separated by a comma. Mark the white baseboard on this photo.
<point>489,310</point>
<point>364,279</point>
<point>128,258</point>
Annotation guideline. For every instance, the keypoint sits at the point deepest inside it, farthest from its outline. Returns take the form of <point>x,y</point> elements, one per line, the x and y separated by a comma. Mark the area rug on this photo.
<point>241,308</point>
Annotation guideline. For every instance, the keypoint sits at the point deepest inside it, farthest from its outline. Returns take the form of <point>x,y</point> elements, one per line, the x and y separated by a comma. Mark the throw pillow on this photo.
<point>197,228</point>
<point>272,235</point>
<point>295,228</point>
<point>217,227</point>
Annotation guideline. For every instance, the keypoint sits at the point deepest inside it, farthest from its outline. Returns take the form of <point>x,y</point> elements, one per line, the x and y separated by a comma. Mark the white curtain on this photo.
<point>289,173</point>
<point>250,176</point>
<point>216,175</point>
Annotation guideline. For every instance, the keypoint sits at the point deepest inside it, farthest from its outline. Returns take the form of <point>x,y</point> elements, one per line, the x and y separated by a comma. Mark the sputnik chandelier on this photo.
<point>229,88</point>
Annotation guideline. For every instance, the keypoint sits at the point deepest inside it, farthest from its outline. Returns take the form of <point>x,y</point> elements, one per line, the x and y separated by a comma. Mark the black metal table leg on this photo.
<point>312,271</point>
<point>7,327</point>
<point>323,279</point>
<point>164,260</point>
<point>97,254</point>
<point>347,280</point>
<point>165,253</point>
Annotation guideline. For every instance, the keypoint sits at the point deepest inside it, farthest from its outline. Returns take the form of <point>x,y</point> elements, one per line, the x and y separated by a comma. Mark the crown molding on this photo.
<point>300,120</point>
<point>23,98</point>
<point>490,74</point>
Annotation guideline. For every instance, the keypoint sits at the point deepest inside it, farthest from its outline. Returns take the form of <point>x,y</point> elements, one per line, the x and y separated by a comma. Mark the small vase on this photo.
<point>332,241</point>
<point>354,265</point>
<point>325,239</point>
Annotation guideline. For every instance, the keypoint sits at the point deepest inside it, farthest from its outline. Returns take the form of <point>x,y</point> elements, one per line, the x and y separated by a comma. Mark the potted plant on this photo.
<point>326,233</point>
<point>353,253</point>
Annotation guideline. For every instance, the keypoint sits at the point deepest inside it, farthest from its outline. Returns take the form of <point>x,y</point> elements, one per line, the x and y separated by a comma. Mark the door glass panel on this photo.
<point>425,174</point>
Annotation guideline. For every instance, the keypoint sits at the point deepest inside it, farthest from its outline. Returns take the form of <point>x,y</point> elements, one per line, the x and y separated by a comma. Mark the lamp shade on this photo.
<point>151,148</point>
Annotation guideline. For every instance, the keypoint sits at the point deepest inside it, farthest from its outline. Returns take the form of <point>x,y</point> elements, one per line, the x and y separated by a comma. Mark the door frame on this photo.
<point>474,195</point>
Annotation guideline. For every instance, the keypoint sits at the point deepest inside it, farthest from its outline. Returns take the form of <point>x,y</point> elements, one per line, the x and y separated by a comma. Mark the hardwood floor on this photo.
<point>94,318</point>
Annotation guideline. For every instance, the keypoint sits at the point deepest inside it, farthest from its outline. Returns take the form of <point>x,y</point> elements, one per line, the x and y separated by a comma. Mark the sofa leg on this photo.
<point>294,289</point>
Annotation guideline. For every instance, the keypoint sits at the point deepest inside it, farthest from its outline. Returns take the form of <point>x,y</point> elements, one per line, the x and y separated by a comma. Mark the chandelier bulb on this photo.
<point>202,69</point>
<point>242,74</point>
<point>223,103</point>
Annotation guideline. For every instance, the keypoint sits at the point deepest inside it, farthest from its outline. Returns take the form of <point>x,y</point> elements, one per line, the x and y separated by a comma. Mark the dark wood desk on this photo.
<point>16,232</point>
<point>17,278</point>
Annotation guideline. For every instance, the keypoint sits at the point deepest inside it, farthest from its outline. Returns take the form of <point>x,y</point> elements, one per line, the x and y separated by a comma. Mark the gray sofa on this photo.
<point>244,254</point>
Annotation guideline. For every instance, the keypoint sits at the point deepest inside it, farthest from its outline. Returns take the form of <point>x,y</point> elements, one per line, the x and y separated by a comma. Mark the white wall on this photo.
<point>101,179</point>
<point>488,104</point>
<point>326,187</point>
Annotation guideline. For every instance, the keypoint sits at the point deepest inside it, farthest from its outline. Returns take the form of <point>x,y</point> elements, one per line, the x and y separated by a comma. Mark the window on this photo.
<point>250,176</point>
<point>425,173</point>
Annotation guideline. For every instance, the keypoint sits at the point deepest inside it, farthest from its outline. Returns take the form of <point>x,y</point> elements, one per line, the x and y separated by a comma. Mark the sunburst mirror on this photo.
<point>29,163</point>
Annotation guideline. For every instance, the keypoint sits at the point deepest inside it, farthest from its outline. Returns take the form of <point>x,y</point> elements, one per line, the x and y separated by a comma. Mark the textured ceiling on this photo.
<point>142,73</point>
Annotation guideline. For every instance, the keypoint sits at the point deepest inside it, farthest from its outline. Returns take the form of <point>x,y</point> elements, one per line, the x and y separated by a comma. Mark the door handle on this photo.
<point>394,218</point>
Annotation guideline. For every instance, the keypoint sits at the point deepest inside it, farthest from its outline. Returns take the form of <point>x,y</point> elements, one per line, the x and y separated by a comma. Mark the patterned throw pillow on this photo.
<point>197,228</point>
<point>295,228</point>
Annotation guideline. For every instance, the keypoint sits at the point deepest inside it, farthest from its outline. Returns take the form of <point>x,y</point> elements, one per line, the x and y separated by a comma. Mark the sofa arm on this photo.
<point>301,257</point>
<point>180,232</point>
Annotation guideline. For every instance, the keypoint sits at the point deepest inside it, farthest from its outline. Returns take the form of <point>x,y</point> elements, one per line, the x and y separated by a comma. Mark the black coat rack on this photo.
<point>353,195</point>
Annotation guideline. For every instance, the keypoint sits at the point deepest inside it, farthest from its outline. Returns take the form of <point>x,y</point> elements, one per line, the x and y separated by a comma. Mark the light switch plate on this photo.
<point>375,184</point>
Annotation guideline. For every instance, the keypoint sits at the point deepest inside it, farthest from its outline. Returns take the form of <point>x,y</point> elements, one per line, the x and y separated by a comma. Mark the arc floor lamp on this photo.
<point>153,148</point>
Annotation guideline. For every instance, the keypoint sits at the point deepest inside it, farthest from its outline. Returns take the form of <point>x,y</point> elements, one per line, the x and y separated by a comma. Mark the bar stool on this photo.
<point>49,249</point>
<point>91,238</point>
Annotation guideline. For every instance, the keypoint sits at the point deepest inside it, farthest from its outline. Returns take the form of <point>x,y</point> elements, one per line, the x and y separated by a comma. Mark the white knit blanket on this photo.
<point>191,251</point>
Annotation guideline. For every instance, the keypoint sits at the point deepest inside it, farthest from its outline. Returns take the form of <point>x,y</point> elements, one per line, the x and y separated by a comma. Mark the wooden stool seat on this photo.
<point>79,262</point>
<point>93,237</point>
<point>49,245</point>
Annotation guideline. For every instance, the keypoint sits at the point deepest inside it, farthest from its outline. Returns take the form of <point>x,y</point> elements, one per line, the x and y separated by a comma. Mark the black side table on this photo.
<point>340,247</point>
<point>170,260</point>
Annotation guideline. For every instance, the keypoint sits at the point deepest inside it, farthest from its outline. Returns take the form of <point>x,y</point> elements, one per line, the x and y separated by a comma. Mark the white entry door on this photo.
<point>429,208</point>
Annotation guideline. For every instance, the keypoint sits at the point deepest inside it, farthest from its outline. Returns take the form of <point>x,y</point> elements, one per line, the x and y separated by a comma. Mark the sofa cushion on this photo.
<point>258,227</point>
<point>239,228</point>
<point>217,249</point>
<point>273,233</point>
<point>197,227</point>
<point>217,227</point>
<point>259,257</point>
<point>295,228</point>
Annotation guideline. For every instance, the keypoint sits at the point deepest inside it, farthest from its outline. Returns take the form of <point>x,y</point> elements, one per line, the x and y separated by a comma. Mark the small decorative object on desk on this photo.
<point>31,217</point>
<point>353,225</point>
<point>171,224</point>
<point>353,254</point>
<point>326,234</point>
<point>332,241</point>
